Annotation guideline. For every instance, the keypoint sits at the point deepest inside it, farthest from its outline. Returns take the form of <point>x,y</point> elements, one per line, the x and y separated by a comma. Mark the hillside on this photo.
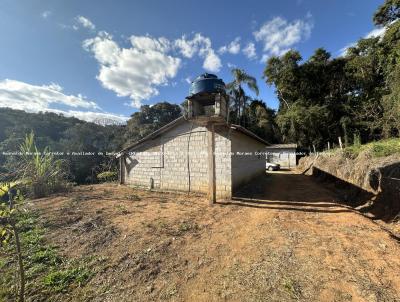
<point>115,243</point>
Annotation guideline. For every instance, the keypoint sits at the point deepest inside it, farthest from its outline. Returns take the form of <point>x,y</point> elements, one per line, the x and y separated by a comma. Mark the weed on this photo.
<point>186,226</point>
<point>292,287</point>
<point>44,267</point>
<point>61,280</point>
<point>122,210</point>
<point>376,149</point>
<point>132,197</point>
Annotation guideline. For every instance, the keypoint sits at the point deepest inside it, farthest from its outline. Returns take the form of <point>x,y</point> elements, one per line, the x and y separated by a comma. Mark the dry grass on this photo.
<point>175,247</point>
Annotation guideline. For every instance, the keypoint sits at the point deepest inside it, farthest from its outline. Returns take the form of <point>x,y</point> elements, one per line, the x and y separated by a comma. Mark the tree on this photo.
<point>284,73</point>
<point>8,228</point>
<point>387,13</point>
<point>236,91</point>
<point>149,119</point>
<point>261,121</point>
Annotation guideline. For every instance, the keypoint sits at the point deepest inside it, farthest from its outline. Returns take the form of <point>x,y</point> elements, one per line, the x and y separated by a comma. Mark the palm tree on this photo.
<point>235,89</point>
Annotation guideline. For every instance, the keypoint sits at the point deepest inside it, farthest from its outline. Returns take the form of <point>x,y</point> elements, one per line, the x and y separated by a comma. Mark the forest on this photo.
<point>355,96</point>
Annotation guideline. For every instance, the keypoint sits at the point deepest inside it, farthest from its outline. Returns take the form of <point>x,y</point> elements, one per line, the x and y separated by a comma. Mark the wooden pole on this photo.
<point>314,148</point>
<point>121,169</point>
<point>340,143</point>
<point>329,146</point>
<point>211,164</point>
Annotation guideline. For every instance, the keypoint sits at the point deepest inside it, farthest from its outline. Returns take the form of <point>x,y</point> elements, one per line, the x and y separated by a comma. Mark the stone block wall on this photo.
<point>178,160</point>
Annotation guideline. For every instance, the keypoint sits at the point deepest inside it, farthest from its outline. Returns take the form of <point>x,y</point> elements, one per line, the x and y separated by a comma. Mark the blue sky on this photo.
<point>103,59</point>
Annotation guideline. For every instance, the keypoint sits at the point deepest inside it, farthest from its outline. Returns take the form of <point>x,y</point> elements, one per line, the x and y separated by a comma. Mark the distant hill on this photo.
<point>60,134</point>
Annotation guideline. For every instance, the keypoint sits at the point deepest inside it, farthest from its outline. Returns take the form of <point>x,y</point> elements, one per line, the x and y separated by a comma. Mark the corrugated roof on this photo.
<point>180,120</point>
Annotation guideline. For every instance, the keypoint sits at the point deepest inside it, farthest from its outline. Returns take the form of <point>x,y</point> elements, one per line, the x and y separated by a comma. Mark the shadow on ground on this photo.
<point>285,190</point>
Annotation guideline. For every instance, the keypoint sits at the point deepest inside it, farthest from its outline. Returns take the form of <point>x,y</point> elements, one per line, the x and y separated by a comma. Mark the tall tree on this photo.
<point>149,119</point>
<point>387,12</point>
<point>236,91</point>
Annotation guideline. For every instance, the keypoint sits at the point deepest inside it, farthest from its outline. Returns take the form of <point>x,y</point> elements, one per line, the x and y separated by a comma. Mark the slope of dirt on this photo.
<point>369,184</point>
<point>297,246</point>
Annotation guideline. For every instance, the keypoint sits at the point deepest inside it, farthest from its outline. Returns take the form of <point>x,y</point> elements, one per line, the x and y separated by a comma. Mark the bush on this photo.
<point>40,171</point>
<point>376,149</point>
<point>107,176</point>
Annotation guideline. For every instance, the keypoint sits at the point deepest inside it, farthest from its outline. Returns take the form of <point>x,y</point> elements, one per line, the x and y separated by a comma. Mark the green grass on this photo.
<point>376,149</point>
<point>46,271</point>
<point>62,279</point>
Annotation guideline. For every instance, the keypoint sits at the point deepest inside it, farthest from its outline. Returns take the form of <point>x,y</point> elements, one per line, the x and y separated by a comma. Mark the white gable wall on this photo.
<point>245,163</point>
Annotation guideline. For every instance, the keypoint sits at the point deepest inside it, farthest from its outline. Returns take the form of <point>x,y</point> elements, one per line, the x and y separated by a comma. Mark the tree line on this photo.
<point>354,96</point>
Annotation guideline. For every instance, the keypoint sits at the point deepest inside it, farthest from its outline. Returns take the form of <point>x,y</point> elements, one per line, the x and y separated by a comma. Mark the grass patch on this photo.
<point>376,149</point>
<point>61,280</point>
<point>46,271</point>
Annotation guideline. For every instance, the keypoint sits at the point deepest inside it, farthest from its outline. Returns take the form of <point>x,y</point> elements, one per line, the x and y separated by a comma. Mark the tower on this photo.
<point>207,105</point>
<point>207,100</point>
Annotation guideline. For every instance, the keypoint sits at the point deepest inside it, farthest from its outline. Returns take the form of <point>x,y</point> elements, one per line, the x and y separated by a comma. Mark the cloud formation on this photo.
<point>278,35</point>
<point>376,32</point>
<point>250,51</point>
<point>232,48</point>
<point>85,22</point>
<point>46,14</point>
<point>34,98</point>
<point>201,46</point>
<point>133,72</point>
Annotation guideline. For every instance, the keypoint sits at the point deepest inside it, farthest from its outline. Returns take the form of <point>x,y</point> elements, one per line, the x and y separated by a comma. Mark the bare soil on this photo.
<point>294,243</point>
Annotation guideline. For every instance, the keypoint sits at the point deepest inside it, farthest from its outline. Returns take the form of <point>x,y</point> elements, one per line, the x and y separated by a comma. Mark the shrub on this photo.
<point>40,171</point>
<point>107,176</point>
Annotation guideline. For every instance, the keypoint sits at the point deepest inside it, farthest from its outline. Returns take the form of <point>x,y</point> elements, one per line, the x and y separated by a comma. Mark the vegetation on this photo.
<point>40,171</point>
<point>46,271</point>
<point>380,148</point>
<point>9,228</point>
<point>355,95</point>
<point>321,98</point>
<point>237,94</point>
<point>107,176</point>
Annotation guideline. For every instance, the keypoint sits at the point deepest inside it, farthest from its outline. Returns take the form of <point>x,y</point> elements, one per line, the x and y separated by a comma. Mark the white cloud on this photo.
<point>198,45</point>
<point>250,51</point>
<point>230,65</point>
<point>278,35</point>
<point>46,14</point>
<point>24,96</point>
<point>264,58</point>
<point>85,22</point>
<point>34,98</point>
<point>343,50</point>
<point>212,62</point>
<point>201,46</point>
<point>375,33</point>
<point>90,116</point>
<point>232,48</point>
<point>188,80</point>
<point>133,72</point>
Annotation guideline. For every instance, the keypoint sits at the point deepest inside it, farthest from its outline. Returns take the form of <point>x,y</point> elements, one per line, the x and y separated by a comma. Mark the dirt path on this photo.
<point>296,244</point>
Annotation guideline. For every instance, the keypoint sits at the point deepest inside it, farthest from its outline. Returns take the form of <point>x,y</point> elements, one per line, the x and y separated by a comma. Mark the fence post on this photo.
<point>340,143</point>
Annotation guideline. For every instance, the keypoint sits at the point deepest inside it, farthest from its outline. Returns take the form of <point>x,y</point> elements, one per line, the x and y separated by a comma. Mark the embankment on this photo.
<point>368,183</point>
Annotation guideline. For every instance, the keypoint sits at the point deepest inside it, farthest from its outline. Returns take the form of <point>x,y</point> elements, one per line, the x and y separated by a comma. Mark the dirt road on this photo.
<point>296,244</point>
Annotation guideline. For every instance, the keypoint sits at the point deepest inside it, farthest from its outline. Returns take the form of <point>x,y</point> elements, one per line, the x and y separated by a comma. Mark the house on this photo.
<point>283,154</point>
<point>198,152</point>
